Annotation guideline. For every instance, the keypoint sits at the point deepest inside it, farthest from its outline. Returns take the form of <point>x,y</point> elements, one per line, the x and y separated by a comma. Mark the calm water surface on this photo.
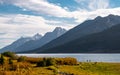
<point>82,57</point>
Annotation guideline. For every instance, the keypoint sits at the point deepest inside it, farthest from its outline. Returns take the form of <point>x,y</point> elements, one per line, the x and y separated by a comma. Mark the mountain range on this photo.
<point>107,41</point>
<point>100,35</point>
<point>86,37</point>
<point>28,43</point>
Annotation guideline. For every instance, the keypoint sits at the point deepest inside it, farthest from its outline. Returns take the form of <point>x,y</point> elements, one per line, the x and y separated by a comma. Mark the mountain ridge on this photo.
<point>88,27</point>
<point>18,42</point>
<point>103,42</point>
<point>36,41</point>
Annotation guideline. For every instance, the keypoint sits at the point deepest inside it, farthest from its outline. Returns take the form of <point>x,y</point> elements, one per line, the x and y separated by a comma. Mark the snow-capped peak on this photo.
<point>36,36</point>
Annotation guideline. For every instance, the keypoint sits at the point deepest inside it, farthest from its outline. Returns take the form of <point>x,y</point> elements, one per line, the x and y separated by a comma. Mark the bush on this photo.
<point>21,58</point>
<point>47,62</point>
<point>2,60</point>
<point>41,64</point>
<point>50,62</point>
<point>10,54</point>
<point>58,61</point>
<point>66,61</point>
<point>33,60</point>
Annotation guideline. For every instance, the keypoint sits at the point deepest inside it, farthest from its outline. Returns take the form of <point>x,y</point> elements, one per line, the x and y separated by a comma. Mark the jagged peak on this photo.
<point>23,37</point>
<point>111,15</point>
<point>108,16</point>
<point>59,29</point>
<point>37,34</point>
<point>98,17</point>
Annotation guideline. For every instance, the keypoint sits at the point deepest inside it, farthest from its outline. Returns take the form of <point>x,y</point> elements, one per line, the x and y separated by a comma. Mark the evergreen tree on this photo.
<point>2,59</point>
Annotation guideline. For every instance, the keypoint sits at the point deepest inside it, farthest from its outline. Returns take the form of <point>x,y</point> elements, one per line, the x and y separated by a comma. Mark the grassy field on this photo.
<point>89,68</point>
<point>62,66</point>
<point>81,69</point>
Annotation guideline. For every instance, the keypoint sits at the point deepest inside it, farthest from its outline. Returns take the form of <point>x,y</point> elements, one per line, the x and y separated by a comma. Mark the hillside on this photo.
<point>104,42</point>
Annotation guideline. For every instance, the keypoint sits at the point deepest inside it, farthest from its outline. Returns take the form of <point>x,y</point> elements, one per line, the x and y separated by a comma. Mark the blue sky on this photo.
<point>28,17</point>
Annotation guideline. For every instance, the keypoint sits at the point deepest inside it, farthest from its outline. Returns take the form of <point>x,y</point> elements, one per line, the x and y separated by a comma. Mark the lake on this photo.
<point>82,57</point>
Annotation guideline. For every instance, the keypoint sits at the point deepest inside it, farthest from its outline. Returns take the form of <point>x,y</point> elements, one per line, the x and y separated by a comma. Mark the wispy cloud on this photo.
<point>94,4</point>
<point>99,4</point>
<point>2,33</point>
<point>26,24</point>
<point>83,15</point>
<point>39,6</point>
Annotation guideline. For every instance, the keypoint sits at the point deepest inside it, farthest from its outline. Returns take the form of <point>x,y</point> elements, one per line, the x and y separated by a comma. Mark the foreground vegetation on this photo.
<point>11,64</point>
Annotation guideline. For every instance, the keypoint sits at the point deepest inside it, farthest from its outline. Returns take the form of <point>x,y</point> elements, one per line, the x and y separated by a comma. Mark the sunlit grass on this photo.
<point>92,69</point>
<point>81,69</point>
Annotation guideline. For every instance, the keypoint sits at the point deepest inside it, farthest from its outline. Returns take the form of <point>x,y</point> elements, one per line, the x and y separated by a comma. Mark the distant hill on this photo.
<point>49,36</point>
<point>28,43</point>
<point>88,27</point>
<point>12,47</point>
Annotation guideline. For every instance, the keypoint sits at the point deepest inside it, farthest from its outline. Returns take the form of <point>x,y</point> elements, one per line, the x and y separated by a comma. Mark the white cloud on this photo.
<point>44,7</point>
<point>39,6</point>
<point>25,23</point>
<point>98,4</point>
<point>98,7</point>
<point>81,16</point>
<point>94,4</point>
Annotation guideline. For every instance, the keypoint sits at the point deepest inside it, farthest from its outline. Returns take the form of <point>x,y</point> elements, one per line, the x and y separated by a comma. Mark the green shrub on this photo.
<point>41,64</point>
<point>66,61</point>
<point>10,54</point>
<point>50,62</point>
<point>47,62</point>
<point>2,60</point>
<point>21,59</point>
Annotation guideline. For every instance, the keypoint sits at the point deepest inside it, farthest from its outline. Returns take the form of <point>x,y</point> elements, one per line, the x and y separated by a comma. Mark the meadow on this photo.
<point>11,64</point>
